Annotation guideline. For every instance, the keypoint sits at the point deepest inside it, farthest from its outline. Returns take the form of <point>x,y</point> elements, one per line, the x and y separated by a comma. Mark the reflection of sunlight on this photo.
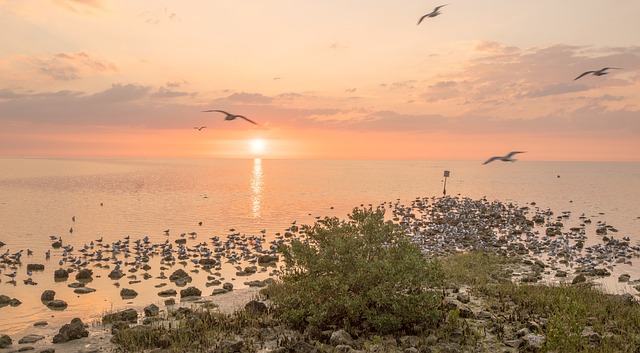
<point>256,187</point>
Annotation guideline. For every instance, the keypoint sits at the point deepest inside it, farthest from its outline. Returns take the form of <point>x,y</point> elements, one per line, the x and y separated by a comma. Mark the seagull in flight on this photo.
<point>433,13</point>
<point>199,128</point>
<point>230,116</point>
<point>506,158</point>
<point>600,72</point>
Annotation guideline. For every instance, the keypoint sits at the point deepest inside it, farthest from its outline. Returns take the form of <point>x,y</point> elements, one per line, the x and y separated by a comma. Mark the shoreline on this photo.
<point>100,334</point>
<point>447,225</point>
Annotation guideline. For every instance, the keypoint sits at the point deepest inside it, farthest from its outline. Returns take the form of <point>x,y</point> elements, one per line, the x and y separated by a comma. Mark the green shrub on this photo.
<point>363,274</point>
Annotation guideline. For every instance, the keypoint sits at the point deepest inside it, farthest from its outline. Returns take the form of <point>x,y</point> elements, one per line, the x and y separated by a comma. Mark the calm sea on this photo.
<point>115,198</point>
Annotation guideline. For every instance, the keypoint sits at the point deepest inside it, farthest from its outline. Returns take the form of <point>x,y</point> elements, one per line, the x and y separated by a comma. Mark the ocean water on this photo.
<point>83,200</point>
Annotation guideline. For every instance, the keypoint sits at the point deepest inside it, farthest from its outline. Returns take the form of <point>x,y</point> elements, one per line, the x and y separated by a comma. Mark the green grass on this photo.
<point>565,310</point>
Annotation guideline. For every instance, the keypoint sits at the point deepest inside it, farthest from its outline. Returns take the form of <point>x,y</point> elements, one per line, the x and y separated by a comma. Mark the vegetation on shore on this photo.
<point>365,276</point>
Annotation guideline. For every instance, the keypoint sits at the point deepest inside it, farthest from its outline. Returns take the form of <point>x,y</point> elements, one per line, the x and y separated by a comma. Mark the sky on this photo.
<point>331,79</point>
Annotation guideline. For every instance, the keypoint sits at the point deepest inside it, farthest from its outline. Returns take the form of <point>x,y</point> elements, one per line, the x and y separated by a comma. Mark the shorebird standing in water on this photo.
<point>433,13</point>
<point>600,72</point>
<point>506,158</point>
<point>230,116</point>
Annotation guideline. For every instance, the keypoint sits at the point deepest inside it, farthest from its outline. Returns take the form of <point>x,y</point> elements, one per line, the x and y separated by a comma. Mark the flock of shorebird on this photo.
<point>435,12</point>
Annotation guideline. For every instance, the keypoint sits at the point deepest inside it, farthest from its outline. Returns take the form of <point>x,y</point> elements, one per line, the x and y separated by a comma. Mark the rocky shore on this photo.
<point>547,249</point>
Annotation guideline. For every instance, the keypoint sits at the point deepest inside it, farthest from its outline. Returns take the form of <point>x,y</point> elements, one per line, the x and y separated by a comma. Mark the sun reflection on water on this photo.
<point>256,187</point>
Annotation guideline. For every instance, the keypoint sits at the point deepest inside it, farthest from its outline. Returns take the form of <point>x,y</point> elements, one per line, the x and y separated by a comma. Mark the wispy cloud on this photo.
<point>69,66</point>
<point>81,6</point>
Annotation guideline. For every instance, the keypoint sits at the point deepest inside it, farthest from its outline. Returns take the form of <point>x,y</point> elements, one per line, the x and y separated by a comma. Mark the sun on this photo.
<point>257,146</point>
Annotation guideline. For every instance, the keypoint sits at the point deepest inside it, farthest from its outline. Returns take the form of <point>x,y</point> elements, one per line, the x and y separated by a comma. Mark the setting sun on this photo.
<point>258,146</point>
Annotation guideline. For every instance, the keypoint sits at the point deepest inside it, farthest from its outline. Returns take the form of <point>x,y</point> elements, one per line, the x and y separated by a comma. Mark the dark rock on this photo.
<point>5,341</point>
<point>4,300</point>
<point>255,307</point>
<point>190,292</point>
<point>84,274</point>
<point>84,290</point>
<point>119,326</point>
<point>14,302</point>
<point>579,279</point>
<point>48,350</point>
<point>215,282</point>
<point>71,331</point>
<point>35,267</point>
<point>218,291</point>
<point>151,310</point>
<point>40,323</point>
<point>256,283</point>
<point>126,293</point>
<point>624,278</point>
<point>228,287</point>
<point>264,260</point>
<point>116,274</point>
<point>129,315</point>
<point>60,274</point>
<point>170,302</point>
<point>168,293</point>
<point>180,274</point>
<point>57,304</point>
<point>75,285</point>
<point>30,339</point>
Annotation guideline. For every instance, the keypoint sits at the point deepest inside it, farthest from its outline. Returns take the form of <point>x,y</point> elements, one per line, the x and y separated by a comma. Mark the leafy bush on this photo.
<point>363,274</point>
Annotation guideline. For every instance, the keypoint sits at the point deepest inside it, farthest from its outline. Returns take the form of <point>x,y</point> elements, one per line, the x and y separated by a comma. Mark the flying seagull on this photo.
<point>230,116</point>
<point>433,13</point>
<point>600,72</point>
<point>199,128</point>
<point>506,158</point>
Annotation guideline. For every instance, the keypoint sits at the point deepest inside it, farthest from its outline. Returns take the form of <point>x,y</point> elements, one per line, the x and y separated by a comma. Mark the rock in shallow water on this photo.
<point>57,304</point>
<point>190,292</point>
<point>5,341</point>
<point>30,339</point>
<point>129,315</point>
<point>127,293</point>
<point>71,331</point>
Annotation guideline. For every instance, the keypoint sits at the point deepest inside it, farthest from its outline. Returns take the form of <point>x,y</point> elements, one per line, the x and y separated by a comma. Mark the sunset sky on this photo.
<point>331,79</point>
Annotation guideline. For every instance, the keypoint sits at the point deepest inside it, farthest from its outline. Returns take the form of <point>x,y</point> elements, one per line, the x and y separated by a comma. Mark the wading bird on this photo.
<point>230,116</point>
